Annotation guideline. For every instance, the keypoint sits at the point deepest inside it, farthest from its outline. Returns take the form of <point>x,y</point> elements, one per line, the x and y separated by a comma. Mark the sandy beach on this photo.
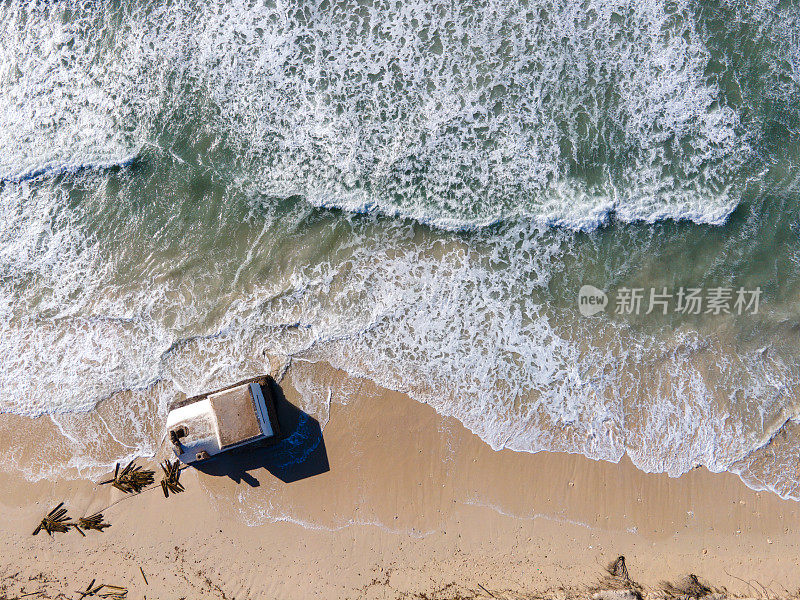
<point>412,506</point>
<point>525,276</point>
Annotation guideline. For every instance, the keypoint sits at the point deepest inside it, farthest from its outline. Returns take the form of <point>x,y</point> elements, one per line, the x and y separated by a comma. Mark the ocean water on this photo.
<point>195,191</point>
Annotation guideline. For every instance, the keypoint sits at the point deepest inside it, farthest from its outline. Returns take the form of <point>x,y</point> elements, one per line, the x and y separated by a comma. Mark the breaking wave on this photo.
<point>192,192</point>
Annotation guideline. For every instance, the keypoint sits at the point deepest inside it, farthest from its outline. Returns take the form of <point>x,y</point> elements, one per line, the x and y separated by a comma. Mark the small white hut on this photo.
<point>239,415</point>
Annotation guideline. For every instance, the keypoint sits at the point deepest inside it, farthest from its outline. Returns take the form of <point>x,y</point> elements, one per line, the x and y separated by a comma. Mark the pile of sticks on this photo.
<point>131,479</point>
<point>56,521</point>
<point>172,473</point>
<point>93,522</point>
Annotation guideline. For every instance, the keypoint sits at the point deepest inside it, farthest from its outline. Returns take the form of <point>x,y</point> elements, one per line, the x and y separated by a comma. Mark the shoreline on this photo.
<point>412,503</point>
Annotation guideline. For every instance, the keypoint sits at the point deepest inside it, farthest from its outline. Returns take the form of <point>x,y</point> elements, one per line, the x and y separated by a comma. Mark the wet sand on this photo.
<point>411,505</point>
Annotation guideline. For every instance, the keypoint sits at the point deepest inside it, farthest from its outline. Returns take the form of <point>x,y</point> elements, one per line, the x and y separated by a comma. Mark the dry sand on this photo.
<point>413,506</point>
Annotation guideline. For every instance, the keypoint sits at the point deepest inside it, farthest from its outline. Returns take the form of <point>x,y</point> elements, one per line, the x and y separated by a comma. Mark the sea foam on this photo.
<point>517,126</point>
<point>460,116</point>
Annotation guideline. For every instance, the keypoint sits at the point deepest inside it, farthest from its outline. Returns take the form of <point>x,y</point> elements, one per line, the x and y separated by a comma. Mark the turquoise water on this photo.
<point>192,192</point>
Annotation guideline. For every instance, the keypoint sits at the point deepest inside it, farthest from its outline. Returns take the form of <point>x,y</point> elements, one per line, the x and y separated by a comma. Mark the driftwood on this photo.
<point>93,522</point>
<point>104,590</point>
<point>114,592</point>
<point>131,479</point>
<point>170,482</point>
<point>28,595</point>
<point>90,590</point>
<point>56,521</point>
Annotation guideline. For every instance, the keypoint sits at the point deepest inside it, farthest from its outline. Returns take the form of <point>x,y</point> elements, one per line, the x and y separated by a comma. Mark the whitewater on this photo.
<point>194,192</point>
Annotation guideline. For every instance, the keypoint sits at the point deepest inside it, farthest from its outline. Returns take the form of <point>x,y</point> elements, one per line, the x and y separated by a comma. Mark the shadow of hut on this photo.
<point>299,453</point>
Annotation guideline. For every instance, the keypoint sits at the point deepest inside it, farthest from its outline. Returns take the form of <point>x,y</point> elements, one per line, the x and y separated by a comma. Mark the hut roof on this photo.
<point>235,413</point>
